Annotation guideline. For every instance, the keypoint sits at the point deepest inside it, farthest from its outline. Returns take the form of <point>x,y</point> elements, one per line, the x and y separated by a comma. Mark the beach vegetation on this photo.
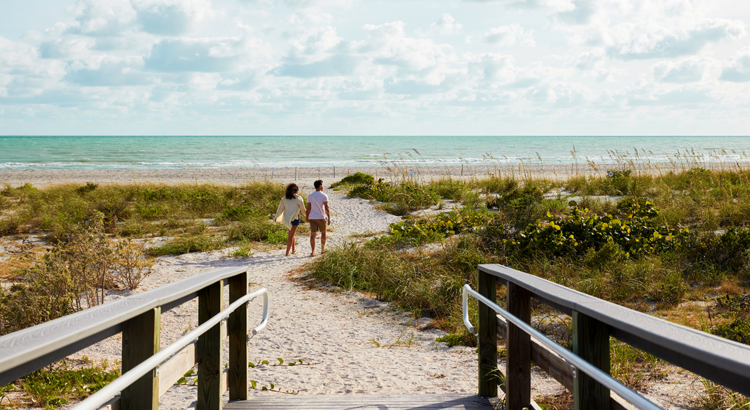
<point>61,383</point>
<point>73,275</point>
<point>657,243</point>
<point>357,178</point>
<point>397,198</point>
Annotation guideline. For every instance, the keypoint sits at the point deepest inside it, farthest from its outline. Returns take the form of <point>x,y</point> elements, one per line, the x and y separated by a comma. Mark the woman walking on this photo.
<point>290,208</point>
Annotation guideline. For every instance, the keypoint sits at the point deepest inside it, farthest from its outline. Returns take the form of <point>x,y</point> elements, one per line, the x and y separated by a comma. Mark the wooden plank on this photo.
<point>487,338</point>
<point>518,364</point>
<point>720,360</point>
<point>30,349</point>
<point>179,364</point>
<point>590,343</point>
<point>545,359</point>
<point>237,328</point>
<point>140,341</point>
<point>557,368</point>
<point>112,404</point>
<point>176,368</point>
<point>208,350</point>
<point>381,402</point>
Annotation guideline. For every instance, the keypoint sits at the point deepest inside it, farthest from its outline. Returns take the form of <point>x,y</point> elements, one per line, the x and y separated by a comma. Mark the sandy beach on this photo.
<point>306,176</point>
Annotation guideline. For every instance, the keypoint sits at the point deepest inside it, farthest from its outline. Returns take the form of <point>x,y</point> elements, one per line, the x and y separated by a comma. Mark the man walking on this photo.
<point>316,203</point>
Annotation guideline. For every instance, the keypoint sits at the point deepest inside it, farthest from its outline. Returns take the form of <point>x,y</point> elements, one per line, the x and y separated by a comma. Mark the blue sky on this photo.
<point>338,67</point>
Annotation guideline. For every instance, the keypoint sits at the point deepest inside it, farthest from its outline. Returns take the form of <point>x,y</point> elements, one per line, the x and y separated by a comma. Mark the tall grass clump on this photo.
<point>136,209</point>
<point>74,275</point>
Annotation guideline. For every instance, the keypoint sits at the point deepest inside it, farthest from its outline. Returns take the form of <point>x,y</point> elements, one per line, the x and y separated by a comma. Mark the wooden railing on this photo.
<point>594,320</point>
<point>138,318</point>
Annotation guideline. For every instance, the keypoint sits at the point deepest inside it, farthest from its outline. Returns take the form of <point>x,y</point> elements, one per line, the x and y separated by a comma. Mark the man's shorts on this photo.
<point>317,225</point>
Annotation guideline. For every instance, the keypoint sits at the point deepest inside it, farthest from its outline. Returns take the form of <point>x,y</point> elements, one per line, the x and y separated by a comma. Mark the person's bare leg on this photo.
<point>294,240</point>
<point>313,234</point>
<point>290,240</point>
<point>322,241</point>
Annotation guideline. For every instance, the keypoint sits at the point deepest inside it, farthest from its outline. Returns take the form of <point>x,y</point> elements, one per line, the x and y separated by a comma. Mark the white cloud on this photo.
<point>738,68</point>
<point>109,71</point>
<point>590,59</point>
<point>509,36</point>
<point>446,25</point>
<point>631,41</point>
<point>388,45</point>
<point>66,47</point>
<point>312,33</point>
<point>202,55</point>
<point>686,71</point>
<point>99,18</point>
<point>336,65</point>
<point>24,73</point>
<point>161,17</point>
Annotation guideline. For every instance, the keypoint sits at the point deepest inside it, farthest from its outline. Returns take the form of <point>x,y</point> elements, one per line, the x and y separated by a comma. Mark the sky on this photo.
<point>375,67</point>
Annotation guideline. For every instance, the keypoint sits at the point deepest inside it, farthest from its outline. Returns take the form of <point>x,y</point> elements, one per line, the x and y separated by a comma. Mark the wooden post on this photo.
<point>487,328</point>
<point>334,172</point>
<point>462,169</point>
<point>237,330</point>
<point>208,349</point>
<point>295,173</point>
<point>518,366</point>
<point>141,340</point>
<point>591,343</point>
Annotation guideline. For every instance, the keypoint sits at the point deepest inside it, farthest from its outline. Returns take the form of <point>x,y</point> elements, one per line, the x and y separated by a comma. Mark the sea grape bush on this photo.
<point>442,225</point>
<point>633,229</point>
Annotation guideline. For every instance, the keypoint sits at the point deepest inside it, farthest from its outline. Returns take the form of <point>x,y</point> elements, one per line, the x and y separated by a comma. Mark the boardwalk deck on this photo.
<point>361,402</point>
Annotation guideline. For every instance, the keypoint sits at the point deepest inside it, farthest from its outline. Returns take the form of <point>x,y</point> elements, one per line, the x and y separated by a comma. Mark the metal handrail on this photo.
<point>96,400</point>
<point>581,365</point>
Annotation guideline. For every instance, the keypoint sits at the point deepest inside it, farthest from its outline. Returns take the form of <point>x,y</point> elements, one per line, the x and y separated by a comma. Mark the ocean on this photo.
<point>150,152</point>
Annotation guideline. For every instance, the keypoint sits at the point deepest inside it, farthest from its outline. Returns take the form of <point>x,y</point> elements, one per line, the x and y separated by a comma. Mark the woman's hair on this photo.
<point>291,190</point>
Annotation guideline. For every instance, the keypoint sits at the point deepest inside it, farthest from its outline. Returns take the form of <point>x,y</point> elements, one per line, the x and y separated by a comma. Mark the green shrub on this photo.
<point>58,386</point>
<point>355,179</point>
<point>254,229</point>
<point>458,339</point>
<point>633,230</point>
<point>424,230</point>
<point>450,188</point>
<point>397,198</point>
<point>738,330</point>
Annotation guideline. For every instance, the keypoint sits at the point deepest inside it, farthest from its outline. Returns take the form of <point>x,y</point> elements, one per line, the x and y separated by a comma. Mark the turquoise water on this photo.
<point>309,151</point>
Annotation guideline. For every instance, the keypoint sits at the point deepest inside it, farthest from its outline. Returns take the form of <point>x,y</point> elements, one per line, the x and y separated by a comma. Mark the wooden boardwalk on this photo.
<point>373,402</point>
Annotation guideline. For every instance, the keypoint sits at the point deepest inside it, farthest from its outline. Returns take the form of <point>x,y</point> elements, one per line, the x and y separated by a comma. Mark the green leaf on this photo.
<point>251,364</point>
<point>264,362</point>
<point>181,380</point>
<point>271,386</point>
<point>254,384</point>
<point>281,361</point>
<point>291,364</point>
<point>264,388</point>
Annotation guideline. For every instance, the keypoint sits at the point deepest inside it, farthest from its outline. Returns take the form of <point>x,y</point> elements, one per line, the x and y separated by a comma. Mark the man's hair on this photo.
<point>317,184</point>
